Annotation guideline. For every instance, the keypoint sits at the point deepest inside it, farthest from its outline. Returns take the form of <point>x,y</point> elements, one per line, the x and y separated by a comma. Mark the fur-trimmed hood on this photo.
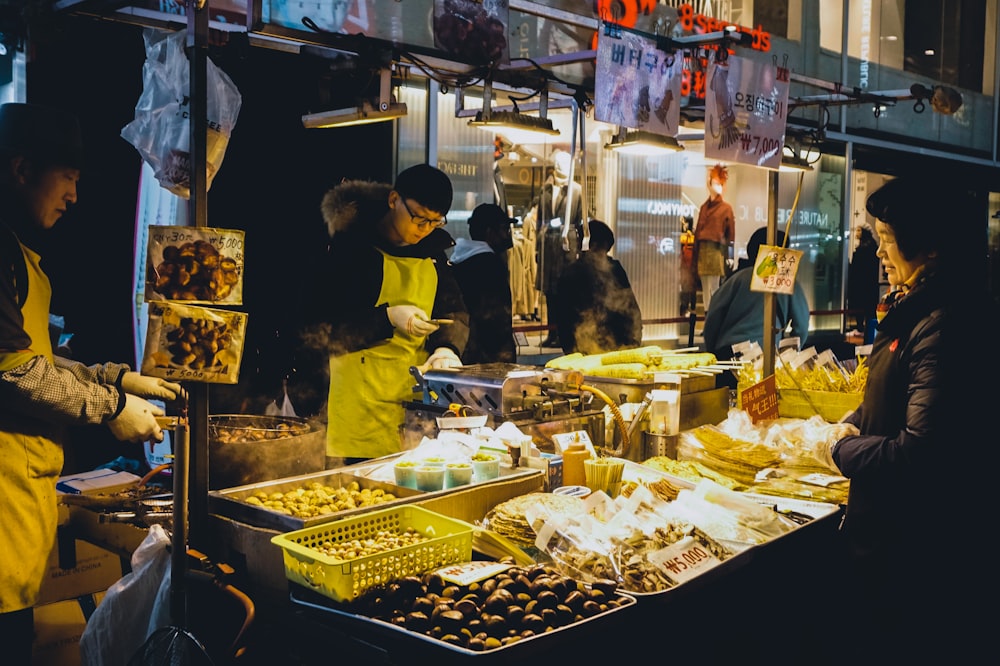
<point>354,201</point>
<point>357,206</point>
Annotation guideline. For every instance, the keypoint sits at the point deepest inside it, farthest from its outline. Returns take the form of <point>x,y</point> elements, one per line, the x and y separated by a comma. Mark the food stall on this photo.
<point>241,516</point>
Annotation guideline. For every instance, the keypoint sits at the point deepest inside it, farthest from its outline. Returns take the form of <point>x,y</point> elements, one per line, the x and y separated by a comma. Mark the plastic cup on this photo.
<point>406,474</point>
<point>486,469</point>
<point>430,478</point>
<point>457,474</point>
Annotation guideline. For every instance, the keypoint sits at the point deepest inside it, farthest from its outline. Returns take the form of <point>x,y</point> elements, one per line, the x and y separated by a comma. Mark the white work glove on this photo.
<point>137,421</point>
<point>443,358</point>
<point>410,319</point>
<point>150,387</point>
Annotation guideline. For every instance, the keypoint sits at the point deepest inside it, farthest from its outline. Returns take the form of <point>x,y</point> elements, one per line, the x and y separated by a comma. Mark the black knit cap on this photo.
<point>42,133</point>
<point>427,185</point>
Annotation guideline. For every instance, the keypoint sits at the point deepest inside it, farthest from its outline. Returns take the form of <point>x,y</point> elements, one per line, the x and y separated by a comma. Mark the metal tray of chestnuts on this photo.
<point>494,611</point>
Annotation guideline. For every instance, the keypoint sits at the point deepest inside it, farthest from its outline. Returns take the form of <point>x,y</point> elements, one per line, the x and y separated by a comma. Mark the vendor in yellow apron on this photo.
<point>30,466</point>
<point>368,387</point>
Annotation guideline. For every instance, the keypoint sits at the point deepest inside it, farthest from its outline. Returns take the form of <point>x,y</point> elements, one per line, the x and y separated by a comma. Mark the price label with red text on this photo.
<point>684,560</point>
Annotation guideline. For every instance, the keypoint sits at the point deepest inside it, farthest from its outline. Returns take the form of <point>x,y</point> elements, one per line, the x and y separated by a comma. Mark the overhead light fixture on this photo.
<point>356,115</point>
<point>794,163</point>
<point>368,111</point>
<point>516,127</point>
<point>640,142</point>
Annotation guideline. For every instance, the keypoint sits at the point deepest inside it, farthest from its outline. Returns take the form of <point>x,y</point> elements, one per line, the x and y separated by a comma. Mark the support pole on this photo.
<point>197,53</point>
<point>772,225</point>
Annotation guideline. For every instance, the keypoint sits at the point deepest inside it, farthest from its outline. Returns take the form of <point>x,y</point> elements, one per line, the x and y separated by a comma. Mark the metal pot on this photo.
<point>245,449</point>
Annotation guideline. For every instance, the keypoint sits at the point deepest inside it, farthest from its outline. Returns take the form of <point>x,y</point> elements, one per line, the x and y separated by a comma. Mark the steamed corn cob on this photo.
<point>649,355</point>
<point>619,370</point>
<point>684,361</point>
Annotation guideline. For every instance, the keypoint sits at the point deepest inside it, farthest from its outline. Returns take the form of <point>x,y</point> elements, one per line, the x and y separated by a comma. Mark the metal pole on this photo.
<point>197,52</point>
<point>772,225</point>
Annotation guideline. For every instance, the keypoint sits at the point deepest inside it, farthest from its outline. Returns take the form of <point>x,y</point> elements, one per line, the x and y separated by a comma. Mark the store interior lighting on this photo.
<point>368,111</point>
<point>640,142</point>
<point>518,128</point>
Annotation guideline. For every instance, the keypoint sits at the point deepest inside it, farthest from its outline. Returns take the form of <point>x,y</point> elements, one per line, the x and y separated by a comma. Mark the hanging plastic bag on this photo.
<point>161,131</point>
<point>133,607</point>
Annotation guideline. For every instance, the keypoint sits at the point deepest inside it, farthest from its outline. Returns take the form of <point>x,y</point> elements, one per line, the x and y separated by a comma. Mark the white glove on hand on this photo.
<point>137,421</point>
<point>443,358</point>
<point>410,319</point>
<point>150,387</point>
<point>825,452</point>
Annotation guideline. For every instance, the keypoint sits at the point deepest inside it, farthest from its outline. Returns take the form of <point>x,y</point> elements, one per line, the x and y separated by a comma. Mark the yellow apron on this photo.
<point>30,464</point>
<point>368,387</point>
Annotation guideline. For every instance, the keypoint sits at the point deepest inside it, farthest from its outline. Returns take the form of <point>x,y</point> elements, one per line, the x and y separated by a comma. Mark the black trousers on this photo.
<point>17,633</point>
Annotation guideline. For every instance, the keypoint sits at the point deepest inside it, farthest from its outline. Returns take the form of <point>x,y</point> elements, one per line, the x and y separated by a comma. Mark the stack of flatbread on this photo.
<point>507,518</point>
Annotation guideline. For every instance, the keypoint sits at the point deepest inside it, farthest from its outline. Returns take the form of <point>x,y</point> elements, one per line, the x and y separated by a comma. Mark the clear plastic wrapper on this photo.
<point>193,343</point>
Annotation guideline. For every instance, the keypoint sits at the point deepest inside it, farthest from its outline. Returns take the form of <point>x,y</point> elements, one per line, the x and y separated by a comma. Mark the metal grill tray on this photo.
<point>413,647</point>
<point>231,503</point>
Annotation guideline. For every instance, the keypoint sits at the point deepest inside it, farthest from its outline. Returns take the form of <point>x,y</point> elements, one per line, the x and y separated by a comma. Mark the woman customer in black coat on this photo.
<point>916,579</point>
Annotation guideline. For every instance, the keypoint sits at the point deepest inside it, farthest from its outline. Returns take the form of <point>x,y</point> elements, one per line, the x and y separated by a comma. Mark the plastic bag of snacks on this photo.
<point>192,343</point>
<point>195,265</point>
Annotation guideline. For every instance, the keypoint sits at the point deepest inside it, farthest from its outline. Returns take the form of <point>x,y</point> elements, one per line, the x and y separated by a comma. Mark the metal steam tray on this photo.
<point>231,502</point>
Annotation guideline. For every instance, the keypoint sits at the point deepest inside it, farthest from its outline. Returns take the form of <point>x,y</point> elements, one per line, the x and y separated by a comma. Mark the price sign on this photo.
<point>684,560</point>
<point>760,401</point>
<point>775,269</point>
<point>466,573</point>
<point>746,106</point>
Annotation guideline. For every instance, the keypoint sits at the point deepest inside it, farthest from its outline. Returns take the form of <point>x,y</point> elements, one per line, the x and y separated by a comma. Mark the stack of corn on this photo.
<point>637,363</point>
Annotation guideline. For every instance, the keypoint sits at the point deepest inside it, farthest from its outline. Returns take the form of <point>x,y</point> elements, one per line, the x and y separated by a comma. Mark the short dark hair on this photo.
<point>601,235</point>
<point>758,238</point>
<point>427,185</point>
<point>45,134</point>
<point>487,216</point>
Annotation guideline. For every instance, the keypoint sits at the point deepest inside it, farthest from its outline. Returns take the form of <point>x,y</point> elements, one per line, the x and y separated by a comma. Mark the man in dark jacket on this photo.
<point>598,311</point>
<point>916,585</point>
<point>737,313</point>
<point>480,267</point>
<point>376,303</point>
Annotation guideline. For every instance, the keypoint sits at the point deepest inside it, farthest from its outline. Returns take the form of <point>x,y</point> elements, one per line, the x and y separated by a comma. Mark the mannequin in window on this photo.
<point>714,235</point>
<point>558,243</point>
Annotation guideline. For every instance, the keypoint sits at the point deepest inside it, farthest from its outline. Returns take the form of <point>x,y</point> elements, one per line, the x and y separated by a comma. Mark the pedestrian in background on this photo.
<point>863,278</point>
<point>480,267</point>
<point>598,311</point>
<point>737,313</point>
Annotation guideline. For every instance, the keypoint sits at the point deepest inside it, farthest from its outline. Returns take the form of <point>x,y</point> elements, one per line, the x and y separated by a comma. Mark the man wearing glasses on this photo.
<point>382,300</point>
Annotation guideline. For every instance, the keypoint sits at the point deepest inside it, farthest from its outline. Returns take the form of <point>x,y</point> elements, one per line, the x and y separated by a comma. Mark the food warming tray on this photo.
<point>231,502</point>
<point>414,647</point>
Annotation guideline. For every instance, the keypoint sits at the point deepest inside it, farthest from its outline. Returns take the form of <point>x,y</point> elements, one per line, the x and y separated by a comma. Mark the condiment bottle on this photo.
<point>573,457</point>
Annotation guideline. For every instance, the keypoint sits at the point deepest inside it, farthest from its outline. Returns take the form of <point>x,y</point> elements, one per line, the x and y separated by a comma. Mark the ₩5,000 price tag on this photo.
<point>684,560</point>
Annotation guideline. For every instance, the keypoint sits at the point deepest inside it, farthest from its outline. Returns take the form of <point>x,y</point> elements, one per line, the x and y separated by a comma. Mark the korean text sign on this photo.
<point>636,85</point>
<point>746,106</point>
<point>775,269</point>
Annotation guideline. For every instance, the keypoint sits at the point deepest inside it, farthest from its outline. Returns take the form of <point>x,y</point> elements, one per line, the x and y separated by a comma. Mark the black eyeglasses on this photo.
<point>422,221</point>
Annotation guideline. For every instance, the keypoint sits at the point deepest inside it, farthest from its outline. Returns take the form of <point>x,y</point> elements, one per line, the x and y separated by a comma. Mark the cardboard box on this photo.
<point>58,627</point>
<point>94,570</point>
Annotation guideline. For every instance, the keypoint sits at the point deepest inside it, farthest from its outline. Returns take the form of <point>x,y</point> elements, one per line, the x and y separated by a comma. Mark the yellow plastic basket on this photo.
<point>449,541</point>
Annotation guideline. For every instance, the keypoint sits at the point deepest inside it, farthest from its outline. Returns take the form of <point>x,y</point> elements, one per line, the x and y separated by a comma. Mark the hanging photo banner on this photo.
<point>746,106</point>
<point>637,85</point>
<point>775,269</point>
<point>473,30</point>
